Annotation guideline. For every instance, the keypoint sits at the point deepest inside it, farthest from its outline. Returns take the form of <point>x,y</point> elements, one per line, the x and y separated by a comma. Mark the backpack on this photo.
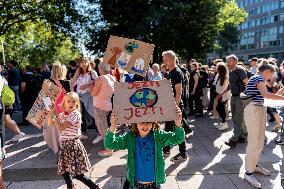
<point>33,86</point>
<point>8,96</point>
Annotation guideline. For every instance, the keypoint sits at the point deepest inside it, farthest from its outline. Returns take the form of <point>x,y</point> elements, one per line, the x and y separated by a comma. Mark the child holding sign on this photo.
<point>73,159</point>
<point>145,166</point>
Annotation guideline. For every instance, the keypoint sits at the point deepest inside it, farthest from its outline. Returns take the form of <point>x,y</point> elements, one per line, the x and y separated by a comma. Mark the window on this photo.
<point>280,29</point>
<point>276,18</point>
<point>243,47</point>
<point>274,43</point>
<point>264,45</point>
<point>282,4</point>
<point>251,46</point>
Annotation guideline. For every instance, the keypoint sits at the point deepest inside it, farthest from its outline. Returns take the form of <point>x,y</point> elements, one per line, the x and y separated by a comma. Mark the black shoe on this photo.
<point>279,142</point>
<point>231,143</point>
<point>179,157</point>
<point>187,130</point>
<point>241,140</point>
<point>167,153</point>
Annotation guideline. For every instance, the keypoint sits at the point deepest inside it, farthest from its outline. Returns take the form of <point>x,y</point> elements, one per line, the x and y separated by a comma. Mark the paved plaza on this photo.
<point>30,164</point>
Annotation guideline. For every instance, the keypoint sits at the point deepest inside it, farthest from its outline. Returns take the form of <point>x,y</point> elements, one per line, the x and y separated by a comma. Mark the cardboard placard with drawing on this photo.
<point>145,101</point>
<point>129,54</point>
<point>39,112</point>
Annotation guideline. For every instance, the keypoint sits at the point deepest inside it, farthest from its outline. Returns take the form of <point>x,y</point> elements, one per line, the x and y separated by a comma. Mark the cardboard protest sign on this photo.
<point>41,107</point>
<point>148,101</point>
<point>129,54</point>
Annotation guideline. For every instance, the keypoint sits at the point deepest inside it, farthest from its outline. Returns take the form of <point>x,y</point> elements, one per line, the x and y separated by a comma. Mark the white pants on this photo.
<point>255,120</point>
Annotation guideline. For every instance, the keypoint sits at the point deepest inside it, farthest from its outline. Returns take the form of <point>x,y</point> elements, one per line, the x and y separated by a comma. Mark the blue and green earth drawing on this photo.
<point>144,97</point>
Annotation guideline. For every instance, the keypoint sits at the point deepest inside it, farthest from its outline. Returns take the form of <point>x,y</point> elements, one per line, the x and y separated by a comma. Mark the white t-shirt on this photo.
<point>73,131</point>
<point>84,79</point>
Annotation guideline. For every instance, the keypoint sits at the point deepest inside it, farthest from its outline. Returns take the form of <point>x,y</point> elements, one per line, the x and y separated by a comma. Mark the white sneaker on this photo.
<point>252,180</point>
<point>223,126</point>
<point>18,137</point>
<point>262,171</point>
<point>217,126</point>
<point>83,137</point>
<point>97,139</point>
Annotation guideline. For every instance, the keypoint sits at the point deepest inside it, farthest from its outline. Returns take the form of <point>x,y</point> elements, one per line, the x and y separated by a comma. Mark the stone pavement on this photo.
<point>30,164</point>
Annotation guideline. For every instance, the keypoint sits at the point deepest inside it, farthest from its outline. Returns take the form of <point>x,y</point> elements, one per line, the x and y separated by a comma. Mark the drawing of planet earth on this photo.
<point>144,97</point>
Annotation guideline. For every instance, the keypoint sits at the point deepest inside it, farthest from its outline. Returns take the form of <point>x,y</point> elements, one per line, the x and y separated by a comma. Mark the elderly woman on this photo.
<point>156,72</point>
<point>83,82</point>
<point>102,92</point>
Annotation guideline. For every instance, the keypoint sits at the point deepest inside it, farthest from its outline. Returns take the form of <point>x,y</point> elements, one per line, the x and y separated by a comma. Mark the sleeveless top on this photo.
<point>103,99</point>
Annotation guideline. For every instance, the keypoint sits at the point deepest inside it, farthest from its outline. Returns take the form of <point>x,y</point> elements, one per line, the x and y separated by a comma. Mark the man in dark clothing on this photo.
<point>14,82</point>
<point>238,80</point>
<point>175,75</point>
<point>30,87</point>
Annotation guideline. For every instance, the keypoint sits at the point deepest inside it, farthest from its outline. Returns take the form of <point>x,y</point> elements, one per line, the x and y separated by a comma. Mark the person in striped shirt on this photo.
<point>255,120</point>
<point>73,159</point>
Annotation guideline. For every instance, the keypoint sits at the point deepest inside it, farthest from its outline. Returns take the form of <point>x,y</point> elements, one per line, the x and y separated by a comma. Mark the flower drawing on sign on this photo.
<point>138,66</point>
<point>123,60</point>
<point>144,97</point>
<point>131,46</point>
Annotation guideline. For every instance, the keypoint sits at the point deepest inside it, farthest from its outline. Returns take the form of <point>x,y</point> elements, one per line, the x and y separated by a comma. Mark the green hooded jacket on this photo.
<point>161,139</point>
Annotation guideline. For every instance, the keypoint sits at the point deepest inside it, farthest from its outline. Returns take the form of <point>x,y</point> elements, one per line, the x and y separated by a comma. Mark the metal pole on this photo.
<point>3,52</point>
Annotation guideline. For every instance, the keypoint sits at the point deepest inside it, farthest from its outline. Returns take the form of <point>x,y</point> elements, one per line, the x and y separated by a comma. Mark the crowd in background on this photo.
<point>214,88</point>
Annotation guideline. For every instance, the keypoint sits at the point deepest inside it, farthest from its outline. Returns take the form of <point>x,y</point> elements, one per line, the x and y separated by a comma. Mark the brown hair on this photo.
<point>134,129</point>
<point>89,67</point>
<point>264,65</point>
<point>73,96</point>
<point>222,70</point>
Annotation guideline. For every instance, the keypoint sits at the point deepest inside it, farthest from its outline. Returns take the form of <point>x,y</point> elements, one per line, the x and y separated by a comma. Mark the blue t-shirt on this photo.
<point>252,89</point>
<point>144,159</point>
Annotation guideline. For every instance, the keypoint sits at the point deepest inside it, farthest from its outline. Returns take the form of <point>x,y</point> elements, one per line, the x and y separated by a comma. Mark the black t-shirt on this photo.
<point>236,78</point>
<point>176,78</point>
<point>33,85</point>
<point>14,77</point>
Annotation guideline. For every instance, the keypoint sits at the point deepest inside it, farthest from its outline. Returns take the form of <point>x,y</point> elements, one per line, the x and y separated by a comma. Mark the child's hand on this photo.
<point>179,118</point>
<point>113,122</point>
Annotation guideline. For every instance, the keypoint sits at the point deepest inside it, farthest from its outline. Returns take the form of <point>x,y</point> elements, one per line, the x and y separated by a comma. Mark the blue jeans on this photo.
<point>15,89</point>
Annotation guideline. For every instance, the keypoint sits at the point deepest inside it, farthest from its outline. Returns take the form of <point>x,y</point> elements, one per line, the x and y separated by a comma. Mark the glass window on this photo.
<point>282,4</point>
<point>264,44</point>
<point>280,29</point>
<point>276,18</point>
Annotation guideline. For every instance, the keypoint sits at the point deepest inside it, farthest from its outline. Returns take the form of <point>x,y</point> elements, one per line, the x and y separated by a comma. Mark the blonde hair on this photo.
<point>171,54</point>
<point>59,71</point>
<point>73,96</point>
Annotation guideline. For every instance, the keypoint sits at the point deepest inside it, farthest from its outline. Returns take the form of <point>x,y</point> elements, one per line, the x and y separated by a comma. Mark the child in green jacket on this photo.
<point>145,162</point>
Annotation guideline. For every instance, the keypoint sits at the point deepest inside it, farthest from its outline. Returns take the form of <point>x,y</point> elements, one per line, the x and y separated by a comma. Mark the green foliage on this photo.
<point>188,27</point>
<point>38,44</point>
<point>62,15</point>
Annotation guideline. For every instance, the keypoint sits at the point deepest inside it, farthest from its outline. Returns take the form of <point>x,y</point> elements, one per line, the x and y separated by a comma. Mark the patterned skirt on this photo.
<point>73,157</point>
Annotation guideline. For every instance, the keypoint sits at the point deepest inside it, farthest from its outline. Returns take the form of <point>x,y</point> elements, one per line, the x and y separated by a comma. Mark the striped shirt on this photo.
<point>74,130</point>
<point>252,89</point>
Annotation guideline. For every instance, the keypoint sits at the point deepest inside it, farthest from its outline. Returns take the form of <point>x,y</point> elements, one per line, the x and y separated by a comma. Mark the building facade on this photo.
<point>261,34</point>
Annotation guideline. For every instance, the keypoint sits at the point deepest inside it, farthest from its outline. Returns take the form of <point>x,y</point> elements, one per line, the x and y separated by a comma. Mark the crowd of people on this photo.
<point>85,102</point>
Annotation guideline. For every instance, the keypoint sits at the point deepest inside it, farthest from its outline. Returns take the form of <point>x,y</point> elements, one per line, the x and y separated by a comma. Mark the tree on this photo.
<point>189,27</point>
<point>38,44</point>
<point>59,13</point>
